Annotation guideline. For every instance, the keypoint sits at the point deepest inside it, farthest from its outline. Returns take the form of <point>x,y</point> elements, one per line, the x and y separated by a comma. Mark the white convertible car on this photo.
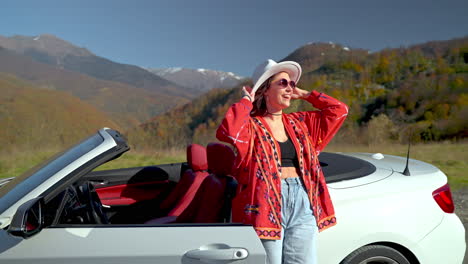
<point>64,211</point>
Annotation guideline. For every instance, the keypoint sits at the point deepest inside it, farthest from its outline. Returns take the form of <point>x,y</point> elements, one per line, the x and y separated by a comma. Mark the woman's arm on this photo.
<point>322,124</point>
<point>235,128</point>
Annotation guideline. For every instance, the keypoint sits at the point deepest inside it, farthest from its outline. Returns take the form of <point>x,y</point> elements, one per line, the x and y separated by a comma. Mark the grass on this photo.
<point>145,158</point>
<point>451,158</point>
<point>17,162</point>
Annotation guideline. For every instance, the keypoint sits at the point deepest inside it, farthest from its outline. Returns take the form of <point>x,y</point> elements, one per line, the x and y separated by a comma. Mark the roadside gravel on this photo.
<point>460,198</point>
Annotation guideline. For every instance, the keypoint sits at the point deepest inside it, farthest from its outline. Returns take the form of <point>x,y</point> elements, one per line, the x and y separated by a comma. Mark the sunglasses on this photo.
<point>284,83</point>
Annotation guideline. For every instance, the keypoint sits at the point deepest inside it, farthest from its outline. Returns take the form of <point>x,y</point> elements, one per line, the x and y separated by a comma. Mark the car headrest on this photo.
<point>196,157</point>
<point>220,158</point>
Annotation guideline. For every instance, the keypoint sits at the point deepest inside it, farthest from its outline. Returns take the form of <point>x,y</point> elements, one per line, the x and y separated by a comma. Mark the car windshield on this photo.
<point>22,185</point>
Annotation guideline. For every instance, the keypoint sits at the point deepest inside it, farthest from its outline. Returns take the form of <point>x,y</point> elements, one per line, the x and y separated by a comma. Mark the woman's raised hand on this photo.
<point>299,93</point>
<point>247,92</point>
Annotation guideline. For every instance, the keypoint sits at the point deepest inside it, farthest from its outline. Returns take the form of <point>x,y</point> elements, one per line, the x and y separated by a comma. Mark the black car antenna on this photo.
<point>406,172</point>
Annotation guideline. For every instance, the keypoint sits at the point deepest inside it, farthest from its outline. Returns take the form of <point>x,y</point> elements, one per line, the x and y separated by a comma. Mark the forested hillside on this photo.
<point>34,117</point>
<point>127,105</point>
<point>420,90</point>
<point>193,122</point>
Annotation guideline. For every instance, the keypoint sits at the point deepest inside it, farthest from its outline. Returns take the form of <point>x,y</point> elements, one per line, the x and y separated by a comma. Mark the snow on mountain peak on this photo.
<point>37,38</point>
<point>234,76</point>
<point>199,79</point>
<point>174,70</point>
<point>164,71</point>
<point>346,48</point>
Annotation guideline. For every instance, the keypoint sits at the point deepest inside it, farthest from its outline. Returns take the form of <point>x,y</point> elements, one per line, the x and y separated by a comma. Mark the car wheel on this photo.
<point>375,254</point>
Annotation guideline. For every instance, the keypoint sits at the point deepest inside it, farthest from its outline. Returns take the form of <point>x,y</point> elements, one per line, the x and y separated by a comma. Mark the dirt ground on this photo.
<point>460,198</point>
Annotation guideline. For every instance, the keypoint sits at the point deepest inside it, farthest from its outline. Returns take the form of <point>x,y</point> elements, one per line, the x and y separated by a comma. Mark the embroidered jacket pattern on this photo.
<point>258,161</point>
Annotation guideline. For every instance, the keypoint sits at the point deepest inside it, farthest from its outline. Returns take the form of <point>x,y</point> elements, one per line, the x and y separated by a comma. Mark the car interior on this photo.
<point>197,191</point>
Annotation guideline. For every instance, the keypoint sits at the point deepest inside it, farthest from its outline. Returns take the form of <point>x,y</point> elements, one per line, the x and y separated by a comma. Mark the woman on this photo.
<point>282,190</point>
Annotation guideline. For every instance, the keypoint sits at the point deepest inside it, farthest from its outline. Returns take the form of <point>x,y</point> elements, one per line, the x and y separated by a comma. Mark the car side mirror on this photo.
<point>28,219</point>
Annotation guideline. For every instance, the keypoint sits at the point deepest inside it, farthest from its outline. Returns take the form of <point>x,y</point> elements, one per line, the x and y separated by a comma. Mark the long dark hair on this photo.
<point>259,104</point>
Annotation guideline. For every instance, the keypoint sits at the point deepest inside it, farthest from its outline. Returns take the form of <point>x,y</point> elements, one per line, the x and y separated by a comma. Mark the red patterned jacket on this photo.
<point>258,162</point>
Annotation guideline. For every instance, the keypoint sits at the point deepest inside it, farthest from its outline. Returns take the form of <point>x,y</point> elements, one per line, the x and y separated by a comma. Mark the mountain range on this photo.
<point>54,51</point>
<point>125,104</point>
<point>128,94</point>
<point>158,100</point>
<point>51,50</point>
<point>199,80</point>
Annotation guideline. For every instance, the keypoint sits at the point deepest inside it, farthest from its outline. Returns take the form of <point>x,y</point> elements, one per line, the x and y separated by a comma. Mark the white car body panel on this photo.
<point>445,244</point>
<point>379,175</point>
<point>136,245</point>
<point>383,213</point>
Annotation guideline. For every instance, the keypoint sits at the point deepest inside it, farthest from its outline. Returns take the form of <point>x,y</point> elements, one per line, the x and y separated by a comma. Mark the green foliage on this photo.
<point>193,122</point>
<point>381,129</point>
<point>419,91</point>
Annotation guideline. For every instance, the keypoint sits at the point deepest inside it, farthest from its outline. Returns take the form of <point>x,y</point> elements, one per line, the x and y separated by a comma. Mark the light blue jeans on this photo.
<point>298,242</point>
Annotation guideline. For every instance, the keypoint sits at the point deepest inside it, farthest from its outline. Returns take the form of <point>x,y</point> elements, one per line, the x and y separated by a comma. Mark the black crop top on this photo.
<point>288,154</point>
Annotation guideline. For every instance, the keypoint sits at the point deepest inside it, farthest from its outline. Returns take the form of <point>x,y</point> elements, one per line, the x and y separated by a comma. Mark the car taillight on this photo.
<point>443,197</point>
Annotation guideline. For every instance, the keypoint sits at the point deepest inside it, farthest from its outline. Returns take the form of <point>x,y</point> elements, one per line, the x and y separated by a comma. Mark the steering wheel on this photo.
<point>90,198</point>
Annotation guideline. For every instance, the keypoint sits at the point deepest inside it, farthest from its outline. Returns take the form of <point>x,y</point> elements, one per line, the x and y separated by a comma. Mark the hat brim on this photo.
<point>292,68</point>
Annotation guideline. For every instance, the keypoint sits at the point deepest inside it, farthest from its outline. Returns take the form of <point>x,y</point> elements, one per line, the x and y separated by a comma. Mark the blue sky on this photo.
<point>231,36</point>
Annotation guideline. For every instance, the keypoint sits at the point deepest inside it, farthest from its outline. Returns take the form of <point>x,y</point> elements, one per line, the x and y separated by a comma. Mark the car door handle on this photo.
<point>98,182</point>
<point>218,254</point>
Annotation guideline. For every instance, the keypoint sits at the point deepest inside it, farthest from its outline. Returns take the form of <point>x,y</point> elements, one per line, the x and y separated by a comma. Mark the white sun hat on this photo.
<point>271,67</point>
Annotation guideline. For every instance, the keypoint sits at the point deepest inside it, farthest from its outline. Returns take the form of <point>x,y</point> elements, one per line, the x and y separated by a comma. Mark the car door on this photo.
<point>209,243</point>
<point>134,191</point>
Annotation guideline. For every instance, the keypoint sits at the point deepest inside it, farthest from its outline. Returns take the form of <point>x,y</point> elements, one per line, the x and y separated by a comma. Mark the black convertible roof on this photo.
<point>338,167</point>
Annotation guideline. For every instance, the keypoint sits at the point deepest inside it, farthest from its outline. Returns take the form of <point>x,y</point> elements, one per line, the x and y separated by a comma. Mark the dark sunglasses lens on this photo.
<point>293,84</point>
<point>284,83</point>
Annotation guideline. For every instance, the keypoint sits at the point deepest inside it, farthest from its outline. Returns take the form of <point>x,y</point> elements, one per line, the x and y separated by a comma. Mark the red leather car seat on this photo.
<point>189,183</point>
<point>213,200</point>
